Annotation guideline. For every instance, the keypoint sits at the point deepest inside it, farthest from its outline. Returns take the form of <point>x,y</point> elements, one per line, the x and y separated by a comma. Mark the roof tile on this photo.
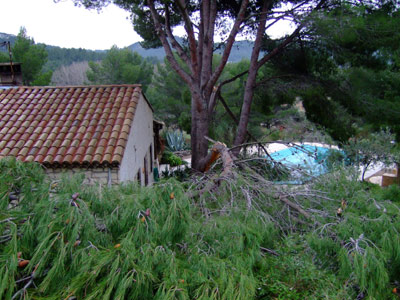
<point>29,158</point>
<point>106,158</point>
<point>13,152</point>
<point>124,135</point>
<point>42,151</point>
<point>19,144</point>
<point>67,125</point>
<point>24,151</point>
<point>10,144</point>
<point>39,158</point>
<point>38,144</point>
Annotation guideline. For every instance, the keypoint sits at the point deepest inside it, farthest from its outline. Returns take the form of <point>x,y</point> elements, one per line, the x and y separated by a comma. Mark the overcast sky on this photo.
<point>62,24</point>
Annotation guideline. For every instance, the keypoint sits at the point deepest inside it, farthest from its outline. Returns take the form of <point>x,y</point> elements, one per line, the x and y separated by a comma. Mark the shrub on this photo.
<point>376,147</point>
<point>171,159</point>
<point>175,140</point>
<point>333,159</point>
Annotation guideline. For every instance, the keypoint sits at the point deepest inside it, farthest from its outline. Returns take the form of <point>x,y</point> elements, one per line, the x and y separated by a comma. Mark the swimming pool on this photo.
<point>303,161</point>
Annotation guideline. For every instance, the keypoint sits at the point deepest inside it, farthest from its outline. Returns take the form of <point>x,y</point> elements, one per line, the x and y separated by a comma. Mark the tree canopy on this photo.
<point>170,96</point>
<point>203,20</point>
<point>120,66</point>
<point>32,57</point>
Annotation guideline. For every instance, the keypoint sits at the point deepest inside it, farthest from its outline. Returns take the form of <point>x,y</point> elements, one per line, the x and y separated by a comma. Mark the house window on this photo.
<point>151,159</point>
<point>139,177</point>
<point>146,175</point>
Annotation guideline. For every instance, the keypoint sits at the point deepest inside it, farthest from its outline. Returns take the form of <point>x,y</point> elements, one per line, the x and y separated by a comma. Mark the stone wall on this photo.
<point>92,176</point>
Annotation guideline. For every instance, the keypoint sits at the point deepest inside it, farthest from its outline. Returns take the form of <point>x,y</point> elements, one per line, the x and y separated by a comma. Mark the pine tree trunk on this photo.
<point>241,132</point>
<point>200,127</point>
<point>251,80</point>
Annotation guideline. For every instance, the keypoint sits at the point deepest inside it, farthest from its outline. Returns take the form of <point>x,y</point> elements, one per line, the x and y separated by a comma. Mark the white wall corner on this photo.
<point>140,138</point>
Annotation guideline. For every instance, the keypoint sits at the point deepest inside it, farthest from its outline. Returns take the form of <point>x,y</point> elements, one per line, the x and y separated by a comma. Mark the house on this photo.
<point>10,74</point>
<point>107,132</point>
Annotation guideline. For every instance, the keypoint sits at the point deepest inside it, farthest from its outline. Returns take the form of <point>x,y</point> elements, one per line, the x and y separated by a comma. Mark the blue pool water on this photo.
<point>303,161</point>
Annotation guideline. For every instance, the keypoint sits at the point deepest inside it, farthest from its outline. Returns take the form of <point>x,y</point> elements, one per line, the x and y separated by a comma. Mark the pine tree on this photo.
<point>32,57</point>
<point>120,66</point>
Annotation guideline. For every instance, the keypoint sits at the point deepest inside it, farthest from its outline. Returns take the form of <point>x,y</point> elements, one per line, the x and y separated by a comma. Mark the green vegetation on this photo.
<point>345,67</point>
<point>170,97</point>
<point>371,149</point>
<point>246,238</point>
<point>32,57</point>
<point>175,140</point>
<point>120,66</point>
<point>160,243</point>
<point>171,159</point>
<point>58,56</point>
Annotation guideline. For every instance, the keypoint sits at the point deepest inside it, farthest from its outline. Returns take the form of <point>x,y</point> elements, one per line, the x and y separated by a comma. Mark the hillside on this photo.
<point>5,37</point>
<point>241,50</point>
<point>58,56</point>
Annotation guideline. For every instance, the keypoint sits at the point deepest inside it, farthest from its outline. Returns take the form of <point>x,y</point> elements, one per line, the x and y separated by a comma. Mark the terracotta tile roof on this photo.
<point>59,126</point>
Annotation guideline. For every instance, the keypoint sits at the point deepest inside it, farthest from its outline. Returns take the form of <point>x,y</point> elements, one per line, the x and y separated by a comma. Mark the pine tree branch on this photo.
<point>231,39</point>
<point>216,91</point>
<point>7,220</point>
<point>287,41</point>
<point>191,37</point>
<point>168,51</point>
<point>181,52</point>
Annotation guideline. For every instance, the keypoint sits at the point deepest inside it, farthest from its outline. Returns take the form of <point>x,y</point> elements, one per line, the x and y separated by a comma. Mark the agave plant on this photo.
<point>175,140</point>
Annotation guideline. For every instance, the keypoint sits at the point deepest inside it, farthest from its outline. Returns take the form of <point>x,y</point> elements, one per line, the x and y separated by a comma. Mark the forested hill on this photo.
<point>5,37</point>
<point>240,50</point>
<point>58,56</point>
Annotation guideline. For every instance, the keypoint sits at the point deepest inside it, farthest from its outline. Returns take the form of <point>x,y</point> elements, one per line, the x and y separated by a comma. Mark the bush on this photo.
<point>375,147</point>
<point>333,159</point>
<point>175,140</point>
<point>171,159</point>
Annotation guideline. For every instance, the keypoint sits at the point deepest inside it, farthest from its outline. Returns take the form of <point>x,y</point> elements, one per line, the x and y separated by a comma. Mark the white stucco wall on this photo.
<point>139,141</point>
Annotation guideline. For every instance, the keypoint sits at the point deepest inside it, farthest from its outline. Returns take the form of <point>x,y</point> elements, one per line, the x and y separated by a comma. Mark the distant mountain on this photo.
<point>157,52</point>
<point>240,50</point>
<point>5,37</point>
<point>58,56</point>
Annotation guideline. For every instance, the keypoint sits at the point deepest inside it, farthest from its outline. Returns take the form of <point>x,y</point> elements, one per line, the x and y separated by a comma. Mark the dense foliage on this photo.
<point>345,67</point>
<point>120,66</point>
<point>58,56</point>
<point>169,97</point>
<point>65,239</point>
<point>32,57</point>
